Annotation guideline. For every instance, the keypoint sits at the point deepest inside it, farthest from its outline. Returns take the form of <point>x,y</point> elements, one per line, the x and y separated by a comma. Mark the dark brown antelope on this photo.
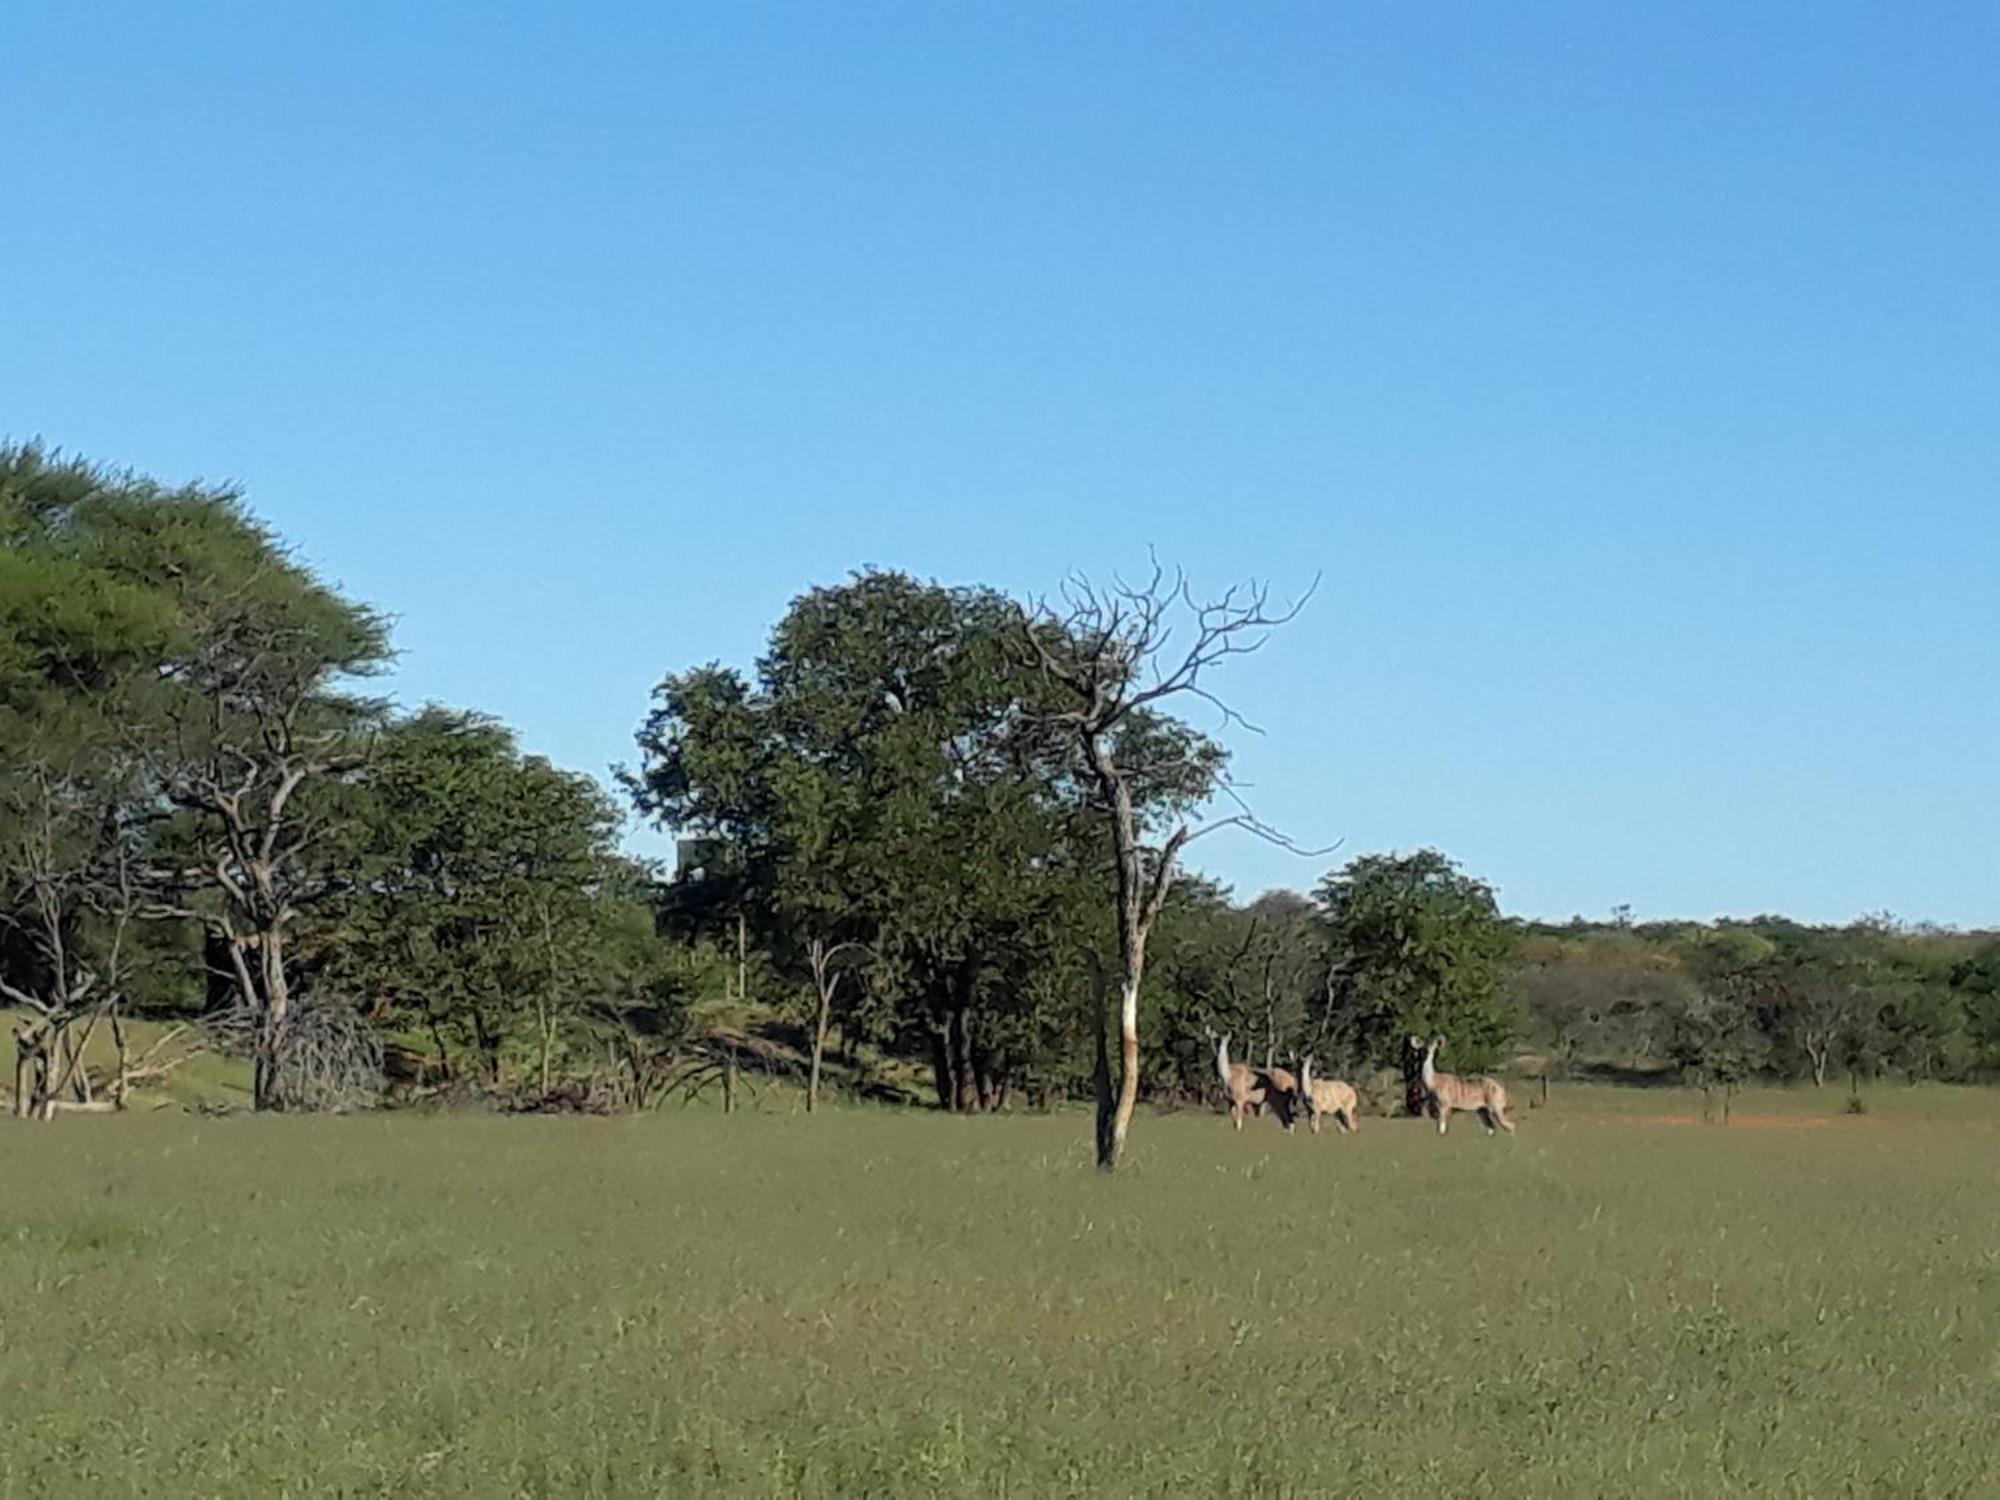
<point>1445,1092</point>
<point>1328,1096</point>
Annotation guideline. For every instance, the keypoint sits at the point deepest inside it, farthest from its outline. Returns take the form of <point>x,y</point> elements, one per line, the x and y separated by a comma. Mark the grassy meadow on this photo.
<point>1618,1300</point>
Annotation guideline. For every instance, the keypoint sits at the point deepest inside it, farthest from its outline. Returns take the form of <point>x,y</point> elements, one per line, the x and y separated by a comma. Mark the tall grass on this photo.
<point>877,1302</point>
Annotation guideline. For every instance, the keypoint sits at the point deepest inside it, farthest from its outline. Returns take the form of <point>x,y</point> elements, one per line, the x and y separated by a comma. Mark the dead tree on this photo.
<point>1108,657</point>
<point>67,893</point>
<point>826,986</point>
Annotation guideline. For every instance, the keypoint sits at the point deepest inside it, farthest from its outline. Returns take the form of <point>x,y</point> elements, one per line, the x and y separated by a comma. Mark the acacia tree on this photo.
<point>75,644</point>
<point>1108,657</point>
<point>258,741</point>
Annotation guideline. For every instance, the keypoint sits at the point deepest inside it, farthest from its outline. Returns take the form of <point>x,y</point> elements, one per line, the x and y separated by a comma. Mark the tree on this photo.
<point>487,888</point>
<point>834,800</point>
<point>87,640</point>
<point>827,973</point>
<point>1109,658</point>
<point>244,729</point>
<point>1715,1040</point>
<point>1421,949</point>
<point>1975,979</point>
<point>1569,1001</point>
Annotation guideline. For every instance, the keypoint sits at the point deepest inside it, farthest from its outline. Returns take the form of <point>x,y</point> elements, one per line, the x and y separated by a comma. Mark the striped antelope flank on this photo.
<point>1328,1096</point>
<point>1248,1089</point>
<point>1446,1092</point>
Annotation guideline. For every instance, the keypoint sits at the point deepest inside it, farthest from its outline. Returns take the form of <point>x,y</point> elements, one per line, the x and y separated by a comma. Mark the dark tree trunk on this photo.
<point>961,1063</point>
<point>947,1088</point>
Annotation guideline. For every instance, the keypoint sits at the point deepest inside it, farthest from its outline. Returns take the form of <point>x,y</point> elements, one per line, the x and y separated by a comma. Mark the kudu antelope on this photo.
<point>1248,1089</point>
<point>1328,1096</point>
<point>1446,1092</point>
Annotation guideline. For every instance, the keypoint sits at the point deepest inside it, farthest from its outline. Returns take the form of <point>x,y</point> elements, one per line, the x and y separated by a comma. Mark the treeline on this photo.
<point>1767,997</point>
<point>204,815</point>
<point>931,834</point>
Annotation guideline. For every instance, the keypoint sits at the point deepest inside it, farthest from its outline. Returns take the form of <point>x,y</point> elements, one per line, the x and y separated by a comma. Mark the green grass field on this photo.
<point>1616,1301</point>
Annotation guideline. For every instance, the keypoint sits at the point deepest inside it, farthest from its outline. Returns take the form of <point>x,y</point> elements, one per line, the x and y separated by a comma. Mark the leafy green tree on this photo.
<point>1975,979</point>
<point>85,642</point>
<point>489,888</point>
<point>835,801</point>
<point>1420,949</point>
<point>241,726</point>
<point>1715,1041</point>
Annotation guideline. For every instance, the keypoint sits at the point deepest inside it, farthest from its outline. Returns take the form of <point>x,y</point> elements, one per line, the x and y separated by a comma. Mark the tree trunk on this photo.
<point>545,1003</point>
<point>729,1081</point>
<point>1818,1055</point>
<point>275,1007</point>
<point>31,1063</point>
<point>1111,1142</point>
<point>947,1091</point>
<point>742,959</point>
<point>1108,1140</point>
<point>962,1071</point>
<point>821,1025</point>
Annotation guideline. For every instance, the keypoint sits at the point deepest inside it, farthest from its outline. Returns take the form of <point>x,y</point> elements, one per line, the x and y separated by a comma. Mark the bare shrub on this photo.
<point>320,1057</point>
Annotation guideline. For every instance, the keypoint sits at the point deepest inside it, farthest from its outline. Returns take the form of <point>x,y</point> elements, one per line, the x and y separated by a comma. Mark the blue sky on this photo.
<point>1631,374</point>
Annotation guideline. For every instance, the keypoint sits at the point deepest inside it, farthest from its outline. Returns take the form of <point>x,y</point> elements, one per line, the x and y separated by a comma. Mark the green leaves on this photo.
<point>1421,949</point>
<point>488,885</point>
<point>883,782</point>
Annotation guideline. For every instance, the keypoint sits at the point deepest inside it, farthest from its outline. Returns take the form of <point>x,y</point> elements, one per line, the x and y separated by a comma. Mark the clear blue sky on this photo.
<point>1631,373</point>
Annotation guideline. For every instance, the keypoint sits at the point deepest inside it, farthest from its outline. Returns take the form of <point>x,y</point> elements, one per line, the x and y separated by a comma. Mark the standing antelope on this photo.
<point>1446,1092</point>
<point>1249,1089</point>
<point>1328,1096</point>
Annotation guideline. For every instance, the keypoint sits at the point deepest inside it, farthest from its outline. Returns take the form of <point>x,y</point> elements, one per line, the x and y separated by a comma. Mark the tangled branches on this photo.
<point>320,1058</point>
